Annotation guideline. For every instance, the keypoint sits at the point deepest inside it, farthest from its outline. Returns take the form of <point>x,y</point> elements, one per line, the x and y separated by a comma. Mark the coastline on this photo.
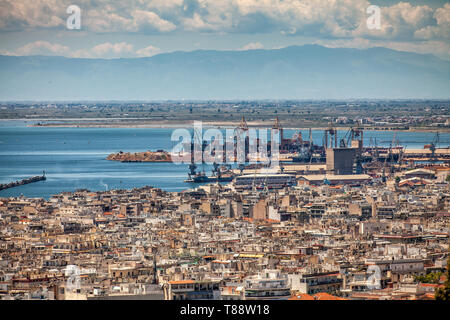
<point>215,124</point>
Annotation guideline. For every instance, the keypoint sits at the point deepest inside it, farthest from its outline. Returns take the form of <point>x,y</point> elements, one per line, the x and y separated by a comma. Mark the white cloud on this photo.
<point>105,50</point>
<point>134,21</point>
<point>252,46</point>
<point>403,19</point>
<point>101,16</point>
<point>40,48</point>
<point>148,19</point>
<point>359,43</point>
<point>320,18</point>
<point>196,23</point>
<point>22,14</point>
<point>325,20</point>
<point>148,51</point>
<point>439,31</point>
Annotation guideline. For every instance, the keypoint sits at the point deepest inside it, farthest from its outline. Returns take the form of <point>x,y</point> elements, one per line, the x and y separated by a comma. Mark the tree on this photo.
<point>432,277</point>
<point>444,293</point>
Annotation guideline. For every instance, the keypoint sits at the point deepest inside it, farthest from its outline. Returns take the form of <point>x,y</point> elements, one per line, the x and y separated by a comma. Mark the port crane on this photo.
<point>388,156</point>
<point>346,142</point>
<point>193,175</point>
<point>433,147</point>
<point>239,133</point>
<point>332,133</point>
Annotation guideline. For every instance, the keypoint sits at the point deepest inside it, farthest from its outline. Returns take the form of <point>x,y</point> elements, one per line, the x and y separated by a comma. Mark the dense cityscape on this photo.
<point>224,159</point>
<point>340,221</point>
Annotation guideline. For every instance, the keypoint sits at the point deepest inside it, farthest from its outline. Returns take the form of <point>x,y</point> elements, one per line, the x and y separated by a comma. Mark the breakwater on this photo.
<point>22,182</point>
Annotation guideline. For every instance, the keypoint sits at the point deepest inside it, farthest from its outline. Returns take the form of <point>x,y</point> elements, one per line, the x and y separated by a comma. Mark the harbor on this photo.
<point>344,155</point>
<point>75,158</point>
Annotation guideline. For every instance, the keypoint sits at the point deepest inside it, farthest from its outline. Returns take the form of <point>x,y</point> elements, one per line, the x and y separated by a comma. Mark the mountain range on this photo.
<point>296,72</point>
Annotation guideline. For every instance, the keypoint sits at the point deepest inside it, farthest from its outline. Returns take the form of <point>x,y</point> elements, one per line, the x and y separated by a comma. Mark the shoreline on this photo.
<point>110,123</point>
<point>223,125</point>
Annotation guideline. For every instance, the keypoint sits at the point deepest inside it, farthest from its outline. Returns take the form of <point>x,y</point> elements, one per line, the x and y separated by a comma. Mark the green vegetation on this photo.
<point>383,115</point>
<point>444,293</point>
<point>429,278</point>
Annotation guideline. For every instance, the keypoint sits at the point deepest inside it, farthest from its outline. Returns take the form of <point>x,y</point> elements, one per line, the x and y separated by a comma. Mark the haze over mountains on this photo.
<point>297,72</point>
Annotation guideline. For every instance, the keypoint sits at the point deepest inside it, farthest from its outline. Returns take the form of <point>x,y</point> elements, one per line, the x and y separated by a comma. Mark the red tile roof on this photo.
<point>317,296</point>
<point>326,296</point>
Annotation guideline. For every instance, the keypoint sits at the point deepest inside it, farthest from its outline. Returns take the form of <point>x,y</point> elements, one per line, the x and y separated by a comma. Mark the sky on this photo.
<point>142,28</point>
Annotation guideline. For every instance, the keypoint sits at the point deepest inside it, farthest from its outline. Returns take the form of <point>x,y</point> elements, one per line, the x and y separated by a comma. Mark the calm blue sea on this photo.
<point>74,158</point>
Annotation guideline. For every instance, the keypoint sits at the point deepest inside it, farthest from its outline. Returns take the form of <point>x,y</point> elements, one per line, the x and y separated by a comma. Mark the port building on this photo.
<point>271,181</point>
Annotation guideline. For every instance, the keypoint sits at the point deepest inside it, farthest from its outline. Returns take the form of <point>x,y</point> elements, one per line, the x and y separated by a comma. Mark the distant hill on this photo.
<point>297,72</point>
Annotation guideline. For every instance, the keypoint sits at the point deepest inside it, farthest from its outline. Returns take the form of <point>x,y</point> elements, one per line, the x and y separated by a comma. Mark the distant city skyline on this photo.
<point>125,29</point>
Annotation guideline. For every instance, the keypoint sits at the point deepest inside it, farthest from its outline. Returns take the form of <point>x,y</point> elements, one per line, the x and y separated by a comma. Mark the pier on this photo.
<point>22,182</point>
